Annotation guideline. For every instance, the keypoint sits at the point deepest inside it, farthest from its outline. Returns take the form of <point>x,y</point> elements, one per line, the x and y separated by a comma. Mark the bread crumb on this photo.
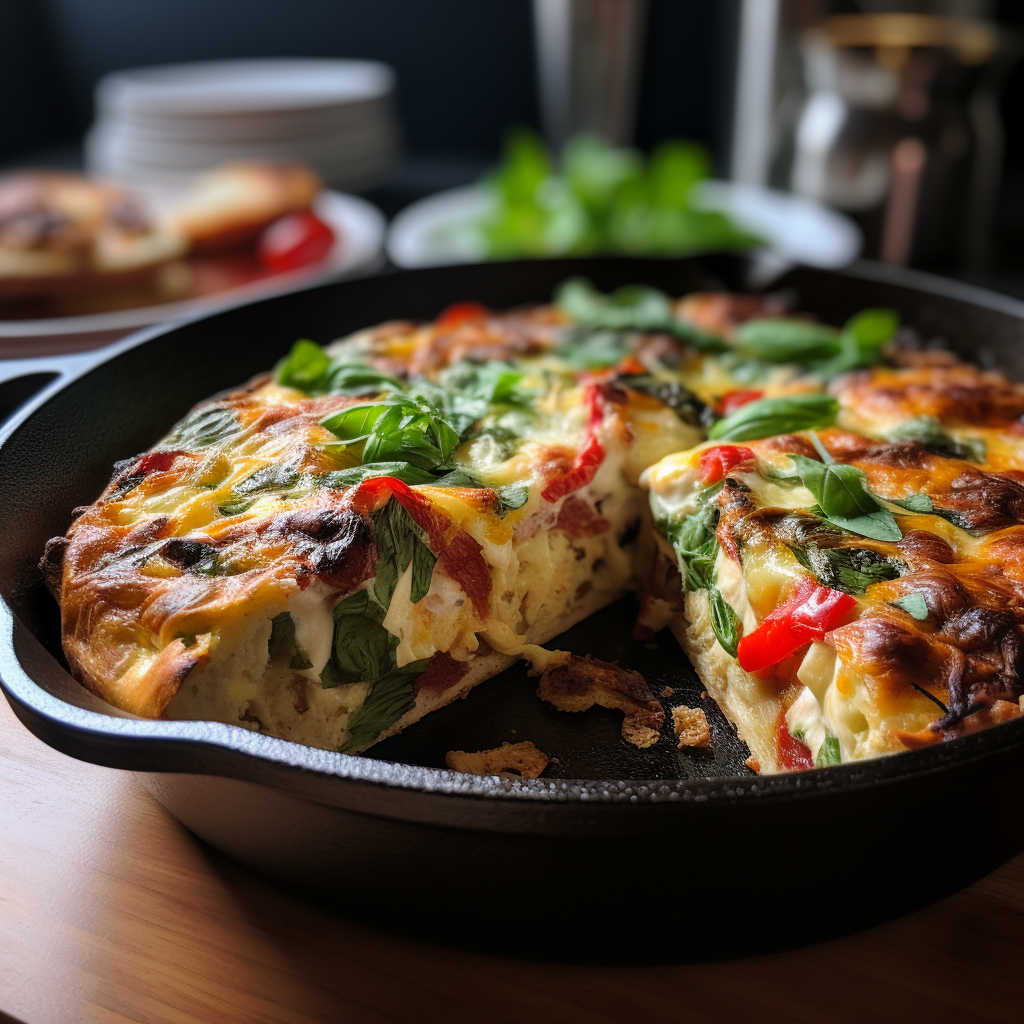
<point>691,727</point>
<point>703,695</point>
<point>753,764</point>
<point>523,759</point>
<point>581,683</point>
<point>668,692</point>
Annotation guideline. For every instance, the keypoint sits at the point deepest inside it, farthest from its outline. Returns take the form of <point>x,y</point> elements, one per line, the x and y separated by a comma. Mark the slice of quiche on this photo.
<point>329,555</point>
<point>848,594</point>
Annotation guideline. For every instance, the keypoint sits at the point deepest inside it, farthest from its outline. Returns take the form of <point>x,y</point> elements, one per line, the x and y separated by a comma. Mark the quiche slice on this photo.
<point>329,568</point>
<point>846,595</point>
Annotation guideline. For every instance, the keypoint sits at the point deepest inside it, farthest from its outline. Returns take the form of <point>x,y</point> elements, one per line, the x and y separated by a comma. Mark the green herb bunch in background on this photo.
<point>602,200</point>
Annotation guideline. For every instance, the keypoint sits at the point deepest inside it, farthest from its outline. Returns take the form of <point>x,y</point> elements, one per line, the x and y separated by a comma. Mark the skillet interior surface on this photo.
<point>58,454</point>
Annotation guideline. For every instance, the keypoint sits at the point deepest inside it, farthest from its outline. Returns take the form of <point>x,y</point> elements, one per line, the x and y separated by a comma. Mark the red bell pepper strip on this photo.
<point>589,457</point>
<point>461,556</point>
<point>732,400</point>
<point>809,612</point>
<point>793,755</point>
<point>460,313</point>
<point>715,462</point>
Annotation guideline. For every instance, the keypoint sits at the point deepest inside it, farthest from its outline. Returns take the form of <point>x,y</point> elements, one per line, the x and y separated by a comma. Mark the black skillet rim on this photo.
<point>209,748</point>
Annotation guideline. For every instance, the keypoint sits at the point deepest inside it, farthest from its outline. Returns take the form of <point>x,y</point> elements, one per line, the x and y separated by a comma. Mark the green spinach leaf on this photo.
<point>829,753</point>
<point>207,425</point>
<point>927,431</point>
<point>387,700</point>
<point>851,570</point>
<point>724,622</point>
<point>283,643</point>
<point>914,605</point>
<point>423,560</point>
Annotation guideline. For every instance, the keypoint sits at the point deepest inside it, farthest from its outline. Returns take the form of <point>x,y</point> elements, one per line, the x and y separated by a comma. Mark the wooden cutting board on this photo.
<point>111,912</point>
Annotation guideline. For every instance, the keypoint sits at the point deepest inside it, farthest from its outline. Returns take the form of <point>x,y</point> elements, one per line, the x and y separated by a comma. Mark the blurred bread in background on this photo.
<point>232,205</point>
<point>65,232</point>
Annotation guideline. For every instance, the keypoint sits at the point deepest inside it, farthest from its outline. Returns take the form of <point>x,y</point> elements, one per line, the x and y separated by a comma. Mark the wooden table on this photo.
<point>110,911</point>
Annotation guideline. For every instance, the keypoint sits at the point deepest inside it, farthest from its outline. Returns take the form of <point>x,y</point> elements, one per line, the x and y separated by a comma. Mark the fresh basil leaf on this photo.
<point>630,308</point>
<point>768,416</point>
<point>927,431</point>
<point>355,379</point>
<point>282,641</point>
<point>355,423</point>
<point>787,341</point>
<point>305,366</point>
<point>423,560</point>
<point>493,383</point>
<point>851,570</point>
<point>914,605</point>
<point>829,753</point>
<point>863,337</point>
<point>724,622</point>
<point>400,428</point>
<point>207,425</point>
<point>387,700</point>
<point>845,501</point>
<point>585,349</point>
<point>913,502</point>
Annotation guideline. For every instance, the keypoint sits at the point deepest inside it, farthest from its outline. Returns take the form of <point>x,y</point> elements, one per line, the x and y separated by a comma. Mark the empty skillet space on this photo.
<point>587,744</point>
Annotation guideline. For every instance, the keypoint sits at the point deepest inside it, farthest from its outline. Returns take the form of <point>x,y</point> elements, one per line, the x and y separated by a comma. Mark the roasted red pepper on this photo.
<point>732,400</point>
<point>461,313</point>
<point>715,462</point>
<point>461,556</point>
<point>809,612</point>
<point>589,457</point>
<point>793,755</point>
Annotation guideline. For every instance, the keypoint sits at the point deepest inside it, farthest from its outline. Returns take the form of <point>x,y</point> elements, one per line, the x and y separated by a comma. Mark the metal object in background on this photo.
<point>755,87</point>
<point>901,129</point>
<point>588,64</point>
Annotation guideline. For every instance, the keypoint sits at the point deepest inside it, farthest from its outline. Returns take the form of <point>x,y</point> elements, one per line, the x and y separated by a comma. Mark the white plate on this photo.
<point>438,230</point>
<point>359,224</point>
<point>230,87</point>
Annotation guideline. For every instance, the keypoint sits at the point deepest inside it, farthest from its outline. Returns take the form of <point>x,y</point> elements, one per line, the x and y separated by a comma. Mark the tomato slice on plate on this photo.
<point>294,241</point>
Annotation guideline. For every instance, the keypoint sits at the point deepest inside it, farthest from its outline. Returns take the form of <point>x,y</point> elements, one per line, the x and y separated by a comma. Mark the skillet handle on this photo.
<point>20,379</point>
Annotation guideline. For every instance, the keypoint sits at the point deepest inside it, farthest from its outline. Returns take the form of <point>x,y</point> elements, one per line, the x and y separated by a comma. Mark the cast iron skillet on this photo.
<point>655,855</point>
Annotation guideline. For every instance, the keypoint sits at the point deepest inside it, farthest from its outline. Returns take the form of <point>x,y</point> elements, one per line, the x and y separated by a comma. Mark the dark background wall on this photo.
<point>465,67</point>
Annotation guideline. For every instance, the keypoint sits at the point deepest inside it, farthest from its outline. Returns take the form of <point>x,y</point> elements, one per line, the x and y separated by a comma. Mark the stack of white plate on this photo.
<point>163,125</point>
